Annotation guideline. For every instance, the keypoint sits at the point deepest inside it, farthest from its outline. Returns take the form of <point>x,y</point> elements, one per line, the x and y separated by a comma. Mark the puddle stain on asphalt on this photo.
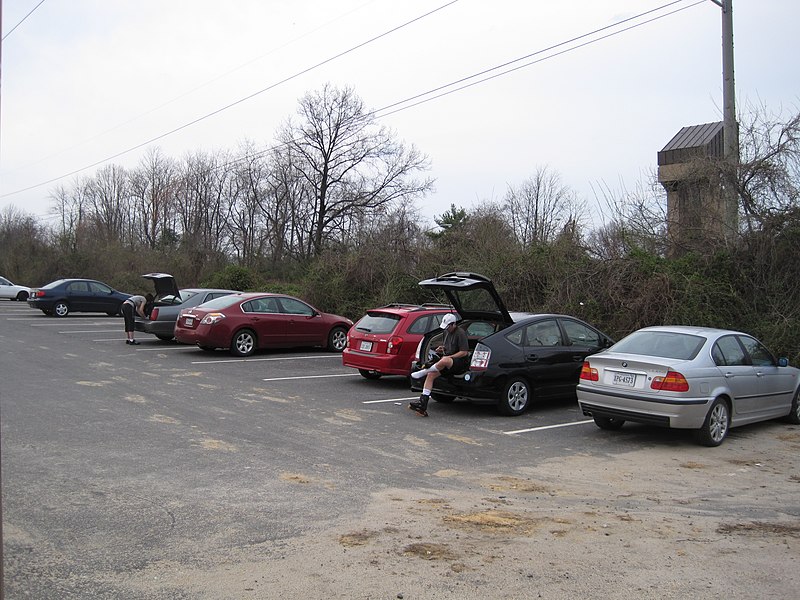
<point>212,444</point>
<point>164,419</point>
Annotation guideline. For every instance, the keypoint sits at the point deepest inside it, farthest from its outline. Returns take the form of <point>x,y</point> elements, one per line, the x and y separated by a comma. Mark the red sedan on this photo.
<point>244,323</point>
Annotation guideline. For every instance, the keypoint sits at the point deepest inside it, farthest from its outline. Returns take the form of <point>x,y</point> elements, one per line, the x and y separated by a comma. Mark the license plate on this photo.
<point>365,346</point>
<point>189,321</point>
<point>628,379</point>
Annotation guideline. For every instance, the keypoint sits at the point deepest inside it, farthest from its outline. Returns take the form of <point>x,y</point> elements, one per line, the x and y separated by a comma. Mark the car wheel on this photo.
<point>608,423</point>
<point>716,425</point>
<point>367,374</point>
<point>794,415</point>
<point>515,398</point>
<point>61,309</point>
<point>442,398</point>
<point>22,296</point>
<point>164,338</point>
<point>243,343</point>
<point>337,339</point>
<point>46,312</point>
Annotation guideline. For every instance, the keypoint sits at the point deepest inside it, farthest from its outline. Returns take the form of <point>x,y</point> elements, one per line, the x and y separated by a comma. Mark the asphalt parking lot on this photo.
<point>125,467</point>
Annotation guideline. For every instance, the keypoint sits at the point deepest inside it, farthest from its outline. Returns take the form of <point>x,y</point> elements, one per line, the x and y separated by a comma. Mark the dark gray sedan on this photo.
<point>168,302</point>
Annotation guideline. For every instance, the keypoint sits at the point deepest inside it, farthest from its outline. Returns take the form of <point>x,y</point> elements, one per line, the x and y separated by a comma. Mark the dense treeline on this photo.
<point>328,214</point>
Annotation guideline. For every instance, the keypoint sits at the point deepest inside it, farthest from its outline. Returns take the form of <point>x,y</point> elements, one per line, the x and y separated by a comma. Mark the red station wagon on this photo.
<point>384,340</point>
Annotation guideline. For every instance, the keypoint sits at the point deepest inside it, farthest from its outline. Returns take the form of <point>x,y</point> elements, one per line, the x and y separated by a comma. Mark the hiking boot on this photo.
<point>418,408</point>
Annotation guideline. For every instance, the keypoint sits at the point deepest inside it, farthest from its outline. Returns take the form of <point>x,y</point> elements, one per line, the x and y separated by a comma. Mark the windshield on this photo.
<point>221,302</point>
<point>376,322</point>
<point>664,344</point>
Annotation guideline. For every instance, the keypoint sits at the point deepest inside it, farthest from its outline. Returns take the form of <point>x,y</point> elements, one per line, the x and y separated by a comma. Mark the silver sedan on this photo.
<point>699,378</point>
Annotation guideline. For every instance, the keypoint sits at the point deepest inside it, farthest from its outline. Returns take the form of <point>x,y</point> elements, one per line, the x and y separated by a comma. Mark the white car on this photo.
<point>11,291</point>
<point>708,380</point>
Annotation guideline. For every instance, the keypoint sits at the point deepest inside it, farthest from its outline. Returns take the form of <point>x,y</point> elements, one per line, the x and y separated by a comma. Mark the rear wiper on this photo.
<point>367,329</point>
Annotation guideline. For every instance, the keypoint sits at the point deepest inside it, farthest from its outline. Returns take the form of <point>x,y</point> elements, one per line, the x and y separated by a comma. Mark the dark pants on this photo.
<point>127,312</point>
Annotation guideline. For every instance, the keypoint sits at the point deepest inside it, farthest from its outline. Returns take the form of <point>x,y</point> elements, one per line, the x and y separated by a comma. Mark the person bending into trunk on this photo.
<point>134,304</point>
<point>454,351</point>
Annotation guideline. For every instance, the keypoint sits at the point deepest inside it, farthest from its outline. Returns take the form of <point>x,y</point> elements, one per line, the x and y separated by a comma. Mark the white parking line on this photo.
<point>311,377</point>
<point>548,427</point>
<point>92,331</point>
<point>61,323</point>
<point>238,360</point>
<point>389,400</point>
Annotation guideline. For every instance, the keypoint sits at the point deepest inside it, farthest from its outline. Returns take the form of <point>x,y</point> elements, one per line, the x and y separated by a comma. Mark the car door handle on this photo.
<point>532,357</point>
<point>759,374</point>
<point>578,357</point>
<point>729,375</point>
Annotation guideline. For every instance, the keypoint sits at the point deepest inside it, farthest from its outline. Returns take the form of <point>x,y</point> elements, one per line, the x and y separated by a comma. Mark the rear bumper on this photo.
<point>386,364</point>
<point>155,327</point>
<point>474,385</point>
<point>666,411</point>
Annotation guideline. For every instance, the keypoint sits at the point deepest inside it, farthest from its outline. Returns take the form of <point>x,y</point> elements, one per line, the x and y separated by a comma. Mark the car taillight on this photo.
<point>154,314</point>
<point>480,358</point>
<point>38,293</point>
<point>588,373</point>
<point>212,318</point>
<point>394,345</point>
<point>671,382</point>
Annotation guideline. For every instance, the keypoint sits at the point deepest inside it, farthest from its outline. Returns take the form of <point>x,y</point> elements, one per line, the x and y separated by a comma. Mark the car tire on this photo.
<point>61,309</point>
<point>515,398</point>
<point>715,427</point>
<point>164,337</point>
<point>442,398</point>
<point>367,374</point>
<point>337,339</point>
<point>608,423</point>
<point>794,414</point>
<point>22,296</point>
<point>243,343</point>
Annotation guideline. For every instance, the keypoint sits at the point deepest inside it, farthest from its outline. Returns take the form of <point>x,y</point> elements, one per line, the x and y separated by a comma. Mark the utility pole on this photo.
<point>729,125</point>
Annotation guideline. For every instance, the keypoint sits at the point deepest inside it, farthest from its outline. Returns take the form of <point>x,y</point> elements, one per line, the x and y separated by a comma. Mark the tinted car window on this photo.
<point>480,329</point>
<point>220,303</point>
<point>99,287</point>
<point>579,334</point>
<point>78,287</point>
<point>665,344</point>
<point>377,323</point>
<point>759,355</point>
<point>728,352</point>
<point>424,324</point>
<point>543,333</point>
<point>515,337</point>
<point>295,307</point>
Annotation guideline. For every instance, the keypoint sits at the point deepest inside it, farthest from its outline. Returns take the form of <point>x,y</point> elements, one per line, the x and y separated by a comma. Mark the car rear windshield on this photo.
<point>221,302</point>
<point>377,322</point>
<point>663,344</point>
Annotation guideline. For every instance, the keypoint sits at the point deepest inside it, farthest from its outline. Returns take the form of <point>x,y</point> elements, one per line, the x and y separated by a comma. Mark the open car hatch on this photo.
<point>472,295</point>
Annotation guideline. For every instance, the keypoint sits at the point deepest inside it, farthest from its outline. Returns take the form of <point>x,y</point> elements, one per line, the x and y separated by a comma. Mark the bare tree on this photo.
<point>248,205</point>
<point>151,187</point>
<point>108,199</point>
<point>540,207</point>
<point>769,172</point>
<point>346,163</point>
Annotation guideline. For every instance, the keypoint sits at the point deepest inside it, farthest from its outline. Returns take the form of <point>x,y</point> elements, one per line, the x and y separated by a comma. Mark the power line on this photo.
<point>22,21</point>
<point>235,103</point>
<point>421,98</point>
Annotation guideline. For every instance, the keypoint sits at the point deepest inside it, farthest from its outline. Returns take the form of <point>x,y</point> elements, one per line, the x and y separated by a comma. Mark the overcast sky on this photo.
<point>92,82</point>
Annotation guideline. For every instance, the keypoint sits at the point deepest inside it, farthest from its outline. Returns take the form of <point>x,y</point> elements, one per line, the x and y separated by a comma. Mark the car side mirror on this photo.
<point>783,361</point>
